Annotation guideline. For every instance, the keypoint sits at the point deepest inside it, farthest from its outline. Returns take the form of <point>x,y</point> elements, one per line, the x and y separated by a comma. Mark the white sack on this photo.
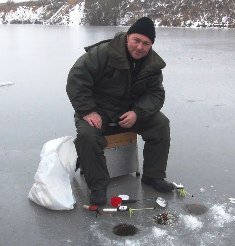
<point>52,181</point>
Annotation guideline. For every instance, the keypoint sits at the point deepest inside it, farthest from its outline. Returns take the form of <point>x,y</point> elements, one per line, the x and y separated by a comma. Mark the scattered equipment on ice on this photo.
<point>93,208</point>
<point>181,190</point>
<point>161,202</point>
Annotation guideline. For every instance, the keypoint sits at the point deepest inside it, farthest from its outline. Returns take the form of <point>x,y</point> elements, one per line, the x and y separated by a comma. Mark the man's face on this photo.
<point>138,45</point>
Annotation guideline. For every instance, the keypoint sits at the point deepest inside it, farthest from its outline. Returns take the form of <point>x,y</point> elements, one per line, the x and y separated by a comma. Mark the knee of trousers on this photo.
<point>89,136</point>
<point>163,125</point>
<point>86,135</point>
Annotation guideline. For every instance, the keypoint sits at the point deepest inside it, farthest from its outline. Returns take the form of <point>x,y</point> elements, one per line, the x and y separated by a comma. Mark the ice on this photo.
<point>158,232</point>
<point>36,109</point>
<point>202,190</point>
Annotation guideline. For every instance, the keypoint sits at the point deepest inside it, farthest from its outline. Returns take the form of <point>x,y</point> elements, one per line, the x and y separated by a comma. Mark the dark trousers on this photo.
<point>90,144</point>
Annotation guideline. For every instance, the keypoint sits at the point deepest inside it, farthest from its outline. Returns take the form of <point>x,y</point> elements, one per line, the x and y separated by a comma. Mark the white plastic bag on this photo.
<point>52,181</point>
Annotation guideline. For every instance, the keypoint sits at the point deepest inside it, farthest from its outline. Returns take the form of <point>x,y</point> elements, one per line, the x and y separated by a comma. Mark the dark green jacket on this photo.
<point>100,81</point>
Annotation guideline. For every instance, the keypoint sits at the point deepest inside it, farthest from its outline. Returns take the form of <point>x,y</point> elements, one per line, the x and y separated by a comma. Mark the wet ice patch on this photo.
<point>196,208</point>
<point>8,83</point>
<point>221,216</point>
<point>191,222</point>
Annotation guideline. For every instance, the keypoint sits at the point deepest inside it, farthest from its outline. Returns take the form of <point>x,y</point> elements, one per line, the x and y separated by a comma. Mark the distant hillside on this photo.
<point>177,13</point>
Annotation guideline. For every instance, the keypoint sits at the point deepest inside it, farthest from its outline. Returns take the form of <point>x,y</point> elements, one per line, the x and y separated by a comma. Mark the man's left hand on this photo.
<point>128,119</point>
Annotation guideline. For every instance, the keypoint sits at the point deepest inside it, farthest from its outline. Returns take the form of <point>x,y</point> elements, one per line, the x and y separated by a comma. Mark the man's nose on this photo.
<point>140,46</point>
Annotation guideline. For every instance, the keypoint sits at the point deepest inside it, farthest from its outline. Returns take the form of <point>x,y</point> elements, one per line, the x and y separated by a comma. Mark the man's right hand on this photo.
<point>93,119</point>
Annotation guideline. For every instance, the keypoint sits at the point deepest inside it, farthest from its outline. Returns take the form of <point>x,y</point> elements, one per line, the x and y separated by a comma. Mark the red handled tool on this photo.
<point>94,208</point>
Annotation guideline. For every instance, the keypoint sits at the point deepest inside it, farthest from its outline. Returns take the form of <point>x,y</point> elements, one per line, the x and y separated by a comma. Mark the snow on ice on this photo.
<point>192,222</point>
<point>2,84</point>
<point>221,216</point>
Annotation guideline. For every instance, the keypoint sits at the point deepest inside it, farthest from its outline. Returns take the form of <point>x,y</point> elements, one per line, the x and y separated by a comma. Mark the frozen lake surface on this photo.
<point>200,103</point>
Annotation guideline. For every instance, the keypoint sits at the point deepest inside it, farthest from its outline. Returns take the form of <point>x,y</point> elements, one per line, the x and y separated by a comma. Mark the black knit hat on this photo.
<point>143,26</point>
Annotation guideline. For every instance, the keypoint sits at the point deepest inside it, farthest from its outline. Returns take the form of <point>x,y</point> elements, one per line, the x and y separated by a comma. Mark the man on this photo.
<point>116,86</point>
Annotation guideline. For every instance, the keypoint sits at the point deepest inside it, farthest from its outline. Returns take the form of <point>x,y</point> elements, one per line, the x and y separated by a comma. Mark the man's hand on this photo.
<point>128,119</point>
<point>93,119</point>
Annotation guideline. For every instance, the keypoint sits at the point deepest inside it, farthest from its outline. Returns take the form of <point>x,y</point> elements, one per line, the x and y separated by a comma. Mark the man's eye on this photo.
<point>146,44</point>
